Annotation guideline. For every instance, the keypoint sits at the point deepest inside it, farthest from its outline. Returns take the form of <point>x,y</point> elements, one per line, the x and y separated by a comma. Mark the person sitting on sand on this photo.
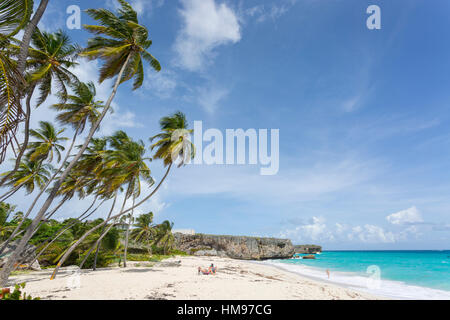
<point>212,269</point>
<point>203,271</point>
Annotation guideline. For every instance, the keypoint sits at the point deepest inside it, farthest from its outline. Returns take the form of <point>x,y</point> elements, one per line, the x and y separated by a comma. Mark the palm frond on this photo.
<point>11,113</point>
<point>14,15</point>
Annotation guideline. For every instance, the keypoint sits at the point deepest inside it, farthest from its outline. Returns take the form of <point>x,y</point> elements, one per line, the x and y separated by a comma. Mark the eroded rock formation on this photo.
<point>236,247</point>
<point>307,248</point>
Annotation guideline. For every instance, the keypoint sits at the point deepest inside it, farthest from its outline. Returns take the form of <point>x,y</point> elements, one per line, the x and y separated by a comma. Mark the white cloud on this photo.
<point>318,231</point>
<point>372,234</point>
<point>206,25</point>
<point>341,228</point>
<point>118,120</point>
<point>314,230</point>
<point>408,216</point>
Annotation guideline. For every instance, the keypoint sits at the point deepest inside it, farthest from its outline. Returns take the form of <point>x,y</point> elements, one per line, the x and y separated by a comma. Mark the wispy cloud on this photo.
<point>142,7</point>
<point>290,185</point>
<point>264,12</point>
<point>161,84</point>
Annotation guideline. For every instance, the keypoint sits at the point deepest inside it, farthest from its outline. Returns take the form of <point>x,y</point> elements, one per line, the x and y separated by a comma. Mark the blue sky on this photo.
<point>363,116</point>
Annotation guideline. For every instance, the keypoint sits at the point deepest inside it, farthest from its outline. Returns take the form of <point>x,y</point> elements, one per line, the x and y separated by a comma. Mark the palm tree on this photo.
<point>81,107</point>
<point>122,51</point>
<point>173,142</point>
<point>144,230</point>
<point>164,235</point>
<point>48,61</point>
<point>5,211</point>
<point>30,175</point>
<point>11,113</point>
<point>48,139</point>
<point>50,58</point>
<point>166,149</point>
<point>126,164</point>
<point>41,150</point>
<point>14,15</point>
<point>125,46</point>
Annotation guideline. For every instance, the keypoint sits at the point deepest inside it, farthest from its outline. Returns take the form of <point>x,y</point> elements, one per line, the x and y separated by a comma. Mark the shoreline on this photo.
<point>177,278</point>
<point>389,289</point>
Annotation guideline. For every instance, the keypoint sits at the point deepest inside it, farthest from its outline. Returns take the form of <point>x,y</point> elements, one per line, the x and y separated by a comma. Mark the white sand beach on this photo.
<point>235,280</point>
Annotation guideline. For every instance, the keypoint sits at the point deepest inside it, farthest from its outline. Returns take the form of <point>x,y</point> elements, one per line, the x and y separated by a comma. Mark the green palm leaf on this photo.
<point>14,15</point>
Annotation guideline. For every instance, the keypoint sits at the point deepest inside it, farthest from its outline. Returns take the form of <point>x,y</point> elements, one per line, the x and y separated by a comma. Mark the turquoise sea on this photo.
<point>397,274</point>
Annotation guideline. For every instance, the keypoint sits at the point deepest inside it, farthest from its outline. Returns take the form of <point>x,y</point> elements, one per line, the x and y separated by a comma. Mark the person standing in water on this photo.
<point>328,273</point>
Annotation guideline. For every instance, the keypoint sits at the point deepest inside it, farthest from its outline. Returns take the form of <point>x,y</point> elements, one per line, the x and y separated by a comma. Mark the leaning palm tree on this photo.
<point>50,58</point>
<point>47,143</point>
<point>173,143</point>
<point>11,113</point>
<point>30,175</point>
<point>82,109</point>
<point>14,15</point>
<point>125,163</point>
<point>43,149</point>
<point>166,148</point>
<point>122,49</point>
<point>79,108</point>
<point>124,46</point>
<point>144,230</point>
<point>164,235</point>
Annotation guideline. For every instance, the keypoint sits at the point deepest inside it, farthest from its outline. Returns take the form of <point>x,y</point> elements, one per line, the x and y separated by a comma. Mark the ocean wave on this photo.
<point>384,288</point>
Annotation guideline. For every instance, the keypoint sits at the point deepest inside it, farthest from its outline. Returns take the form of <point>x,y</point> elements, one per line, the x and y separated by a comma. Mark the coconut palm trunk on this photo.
<point>83,237</point>
<point>8,267</point>
<point>97,244</point>
<point>40,194</point>
<point>21,64</point>
<point>25,139</point>
<point>61,230</point>
<point>127,236</point>
<point>28,32</point>
<point>103,230</point>
<point>11,192</point>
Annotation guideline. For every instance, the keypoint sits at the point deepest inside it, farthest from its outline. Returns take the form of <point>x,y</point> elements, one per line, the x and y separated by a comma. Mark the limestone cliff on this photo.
<point>307,248</point>
<point>236,247</point>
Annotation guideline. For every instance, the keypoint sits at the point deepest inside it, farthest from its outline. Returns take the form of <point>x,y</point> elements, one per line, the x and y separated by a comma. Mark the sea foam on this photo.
<point>384,288</point>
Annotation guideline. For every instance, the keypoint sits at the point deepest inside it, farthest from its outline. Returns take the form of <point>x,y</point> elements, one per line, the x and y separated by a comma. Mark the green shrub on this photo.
<point>176,252</point>
<point>17,294</point>
<point>102,260</point>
